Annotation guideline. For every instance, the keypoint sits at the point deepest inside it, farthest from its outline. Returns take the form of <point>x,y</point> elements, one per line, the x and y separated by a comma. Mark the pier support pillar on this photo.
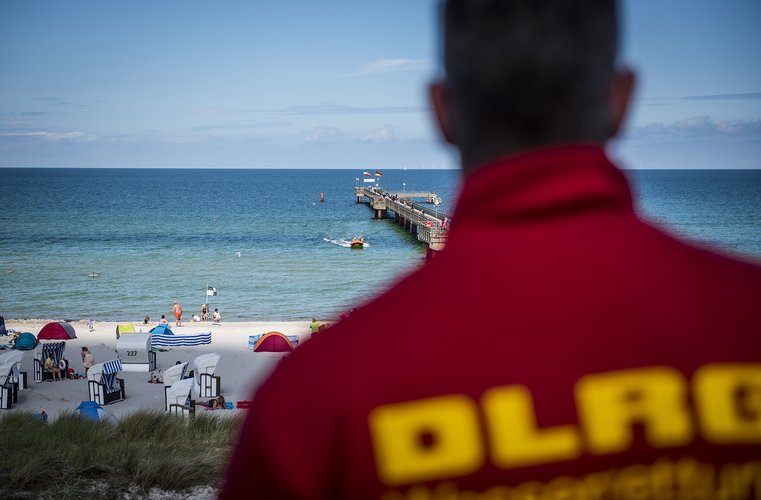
<point>359,198</point>
<point>429,253</point>
<point>379,214</point>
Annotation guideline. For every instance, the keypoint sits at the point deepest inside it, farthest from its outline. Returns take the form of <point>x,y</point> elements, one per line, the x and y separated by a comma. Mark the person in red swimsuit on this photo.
<point>584,353</point>
<point>178,314</point>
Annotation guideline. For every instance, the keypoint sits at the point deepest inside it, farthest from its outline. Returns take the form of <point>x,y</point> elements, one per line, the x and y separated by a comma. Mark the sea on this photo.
<point>262,238</point>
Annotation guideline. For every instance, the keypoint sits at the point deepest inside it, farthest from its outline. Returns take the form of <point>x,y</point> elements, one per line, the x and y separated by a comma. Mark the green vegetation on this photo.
<point>76,457</point>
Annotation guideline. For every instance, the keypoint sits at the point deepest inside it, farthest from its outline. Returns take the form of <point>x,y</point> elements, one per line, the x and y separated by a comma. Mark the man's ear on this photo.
<point>620,99</point>
<point>439,94</point>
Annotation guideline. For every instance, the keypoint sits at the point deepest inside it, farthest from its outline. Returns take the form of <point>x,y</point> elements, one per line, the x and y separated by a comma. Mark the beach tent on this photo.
<point>57,331</point>
<point>93,411</point>
<point>128,328</point>
<point>273,342</point>
<point>161,330</point>
<point>26,342</point>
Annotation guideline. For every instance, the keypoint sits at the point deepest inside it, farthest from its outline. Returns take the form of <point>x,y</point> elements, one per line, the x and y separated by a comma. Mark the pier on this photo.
<point>429,224</point>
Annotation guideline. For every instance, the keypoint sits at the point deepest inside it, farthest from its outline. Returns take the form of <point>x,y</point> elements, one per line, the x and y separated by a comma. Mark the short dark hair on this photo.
<point>535,71</point>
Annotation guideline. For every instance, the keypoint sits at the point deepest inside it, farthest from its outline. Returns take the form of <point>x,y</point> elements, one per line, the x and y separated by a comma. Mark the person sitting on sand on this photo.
<point>52,367</point>
<point>216,316</point>
<point>314,326</point>
<point>87,359</point>
<point>146,319</point>
<point>163,320</point>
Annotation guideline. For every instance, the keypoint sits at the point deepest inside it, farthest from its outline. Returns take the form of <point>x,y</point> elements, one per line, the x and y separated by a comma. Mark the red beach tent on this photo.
<point>57,331</point>
<point>273,342</point>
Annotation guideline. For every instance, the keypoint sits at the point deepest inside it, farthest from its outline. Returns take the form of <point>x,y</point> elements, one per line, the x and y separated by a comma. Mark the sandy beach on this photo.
<point>241,369</point>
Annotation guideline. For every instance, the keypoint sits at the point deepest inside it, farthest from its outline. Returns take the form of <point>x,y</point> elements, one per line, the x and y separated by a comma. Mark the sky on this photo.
<point>331,84</point>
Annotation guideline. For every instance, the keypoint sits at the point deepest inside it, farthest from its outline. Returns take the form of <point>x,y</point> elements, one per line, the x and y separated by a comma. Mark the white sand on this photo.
<point>241,370</point>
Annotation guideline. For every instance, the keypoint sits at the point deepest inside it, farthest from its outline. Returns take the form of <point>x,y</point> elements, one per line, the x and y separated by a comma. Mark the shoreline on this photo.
<point>240,369</point>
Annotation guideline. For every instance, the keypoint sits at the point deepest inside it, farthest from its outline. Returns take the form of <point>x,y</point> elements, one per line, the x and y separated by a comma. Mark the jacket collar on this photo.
<point>541,184</point>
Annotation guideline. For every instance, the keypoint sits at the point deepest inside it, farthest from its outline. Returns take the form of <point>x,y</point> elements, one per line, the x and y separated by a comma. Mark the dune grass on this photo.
<point>76,457</point>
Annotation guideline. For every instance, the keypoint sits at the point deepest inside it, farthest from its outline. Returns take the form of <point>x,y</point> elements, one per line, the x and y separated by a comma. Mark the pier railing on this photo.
<point>429,224</point>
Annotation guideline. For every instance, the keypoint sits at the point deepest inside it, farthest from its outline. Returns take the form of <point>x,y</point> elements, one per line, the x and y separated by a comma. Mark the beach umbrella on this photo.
<point>91,410</point>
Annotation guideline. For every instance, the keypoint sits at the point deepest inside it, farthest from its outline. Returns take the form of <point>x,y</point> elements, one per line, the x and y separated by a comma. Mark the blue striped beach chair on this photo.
<point>103,385</point>
<point>41,354</point>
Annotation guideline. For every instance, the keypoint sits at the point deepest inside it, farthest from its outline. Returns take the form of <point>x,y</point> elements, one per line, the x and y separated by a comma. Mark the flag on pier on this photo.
<point>366,174</point>
<point>378,174</point>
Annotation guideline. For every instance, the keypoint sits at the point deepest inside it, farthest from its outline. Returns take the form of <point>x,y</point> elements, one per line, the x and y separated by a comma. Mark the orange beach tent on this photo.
<point>273,342</point>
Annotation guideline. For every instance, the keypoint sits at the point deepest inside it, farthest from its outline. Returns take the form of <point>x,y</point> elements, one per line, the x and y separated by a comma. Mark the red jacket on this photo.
<point>557,346</point>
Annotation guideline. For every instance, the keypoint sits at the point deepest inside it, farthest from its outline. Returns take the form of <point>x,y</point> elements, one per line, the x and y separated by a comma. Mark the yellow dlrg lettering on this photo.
<point>728,400</point>
<point>610,403</point>
<point>426,439</point>
<point>514,436</point>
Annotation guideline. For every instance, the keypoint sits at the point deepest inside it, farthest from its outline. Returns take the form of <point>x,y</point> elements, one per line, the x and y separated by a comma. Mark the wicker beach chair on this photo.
<point>177,397</point>
<point>41,354</point>
<point>206,384</point>
<point>103,385</point>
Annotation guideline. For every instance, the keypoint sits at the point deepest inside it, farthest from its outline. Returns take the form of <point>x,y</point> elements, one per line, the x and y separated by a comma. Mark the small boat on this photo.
<point>358,243</point>
<point>93,275</point>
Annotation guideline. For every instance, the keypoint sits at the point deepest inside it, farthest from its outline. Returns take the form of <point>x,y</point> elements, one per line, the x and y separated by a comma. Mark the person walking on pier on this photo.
<point>584,352</point>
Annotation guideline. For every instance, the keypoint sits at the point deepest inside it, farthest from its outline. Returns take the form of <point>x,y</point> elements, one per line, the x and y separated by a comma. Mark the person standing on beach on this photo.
<point>178,314</point>
<point>584,353</point>
<point>87,359</point>
<point>204,311</point>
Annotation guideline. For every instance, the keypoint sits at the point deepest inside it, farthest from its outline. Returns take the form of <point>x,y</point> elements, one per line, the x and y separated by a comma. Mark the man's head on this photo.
<point>521,74</point>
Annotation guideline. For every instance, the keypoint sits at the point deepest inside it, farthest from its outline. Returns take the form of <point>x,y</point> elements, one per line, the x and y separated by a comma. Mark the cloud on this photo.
<point>342,109</point>
<point>41,113</point>
<point>57,101</point>
<point>386,133</point>
<point>391,65</point>
<point>246,125</point>
<point>51,136</point>
<point>323,135</point>
<point>724,97</point>
<point>696,127</point>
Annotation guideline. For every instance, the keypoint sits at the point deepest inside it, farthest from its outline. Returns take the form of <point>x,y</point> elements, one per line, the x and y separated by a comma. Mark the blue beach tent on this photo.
<point>26,342</point>
<point>91,410</point>
<point>161,330</point>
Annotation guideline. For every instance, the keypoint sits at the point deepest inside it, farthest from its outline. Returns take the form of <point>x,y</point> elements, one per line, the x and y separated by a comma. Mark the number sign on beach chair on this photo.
<point>104,387</point>
<point>206,384</point>
<point>41,354</point>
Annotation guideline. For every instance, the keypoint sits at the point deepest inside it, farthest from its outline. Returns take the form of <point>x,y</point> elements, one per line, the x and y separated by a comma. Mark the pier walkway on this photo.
<point>429,224</point>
